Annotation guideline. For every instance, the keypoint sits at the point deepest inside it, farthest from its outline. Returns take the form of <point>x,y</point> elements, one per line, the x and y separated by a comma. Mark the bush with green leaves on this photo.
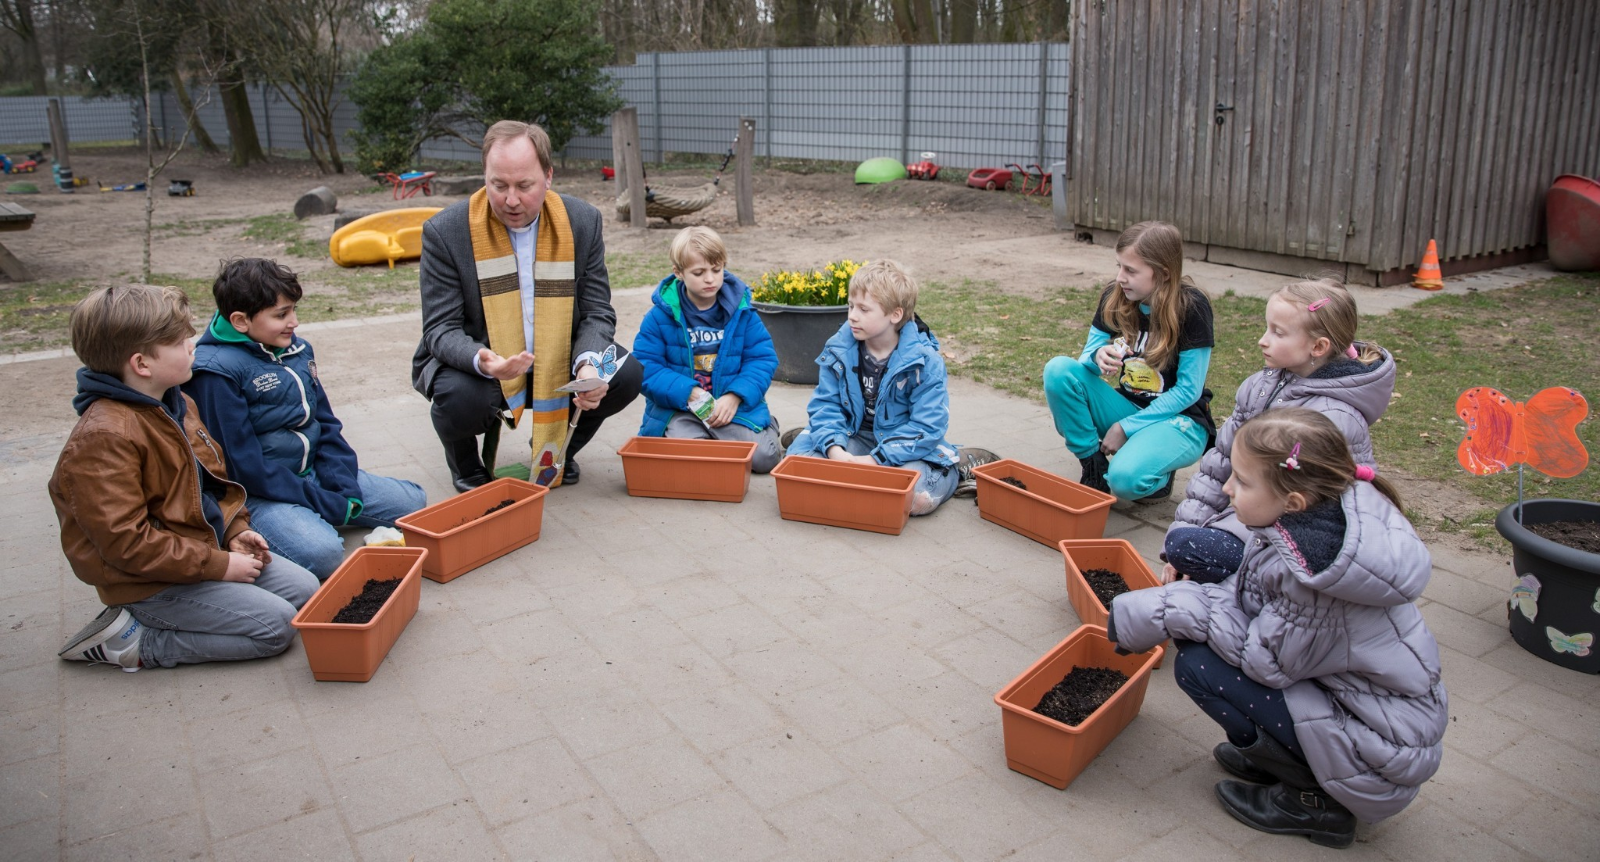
<point>475,62</point>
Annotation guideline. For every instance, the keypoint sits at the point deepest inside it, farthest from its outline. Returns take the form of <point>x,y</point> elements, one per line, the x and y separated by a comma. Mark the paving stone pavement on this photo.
<point>673,680</point>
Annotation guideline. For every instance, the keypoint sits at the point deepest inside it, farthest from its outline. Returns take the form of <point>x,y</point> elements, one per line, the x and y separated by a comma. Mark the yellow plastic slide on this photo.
<point>387,236</point>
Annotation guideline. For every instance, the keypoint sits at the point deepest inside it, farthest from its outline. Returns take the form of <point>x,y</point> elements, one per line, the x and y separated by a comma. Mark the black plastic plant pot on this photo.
<point>798,335</point>
<point>1556,614</point>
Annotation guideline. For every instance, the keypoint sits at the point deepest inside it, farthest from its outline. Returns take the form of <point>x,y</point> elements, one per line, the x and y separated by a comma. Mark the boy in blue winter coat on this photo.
<point>703,346</point>
<point>256,384</point>
<point>881,396</point>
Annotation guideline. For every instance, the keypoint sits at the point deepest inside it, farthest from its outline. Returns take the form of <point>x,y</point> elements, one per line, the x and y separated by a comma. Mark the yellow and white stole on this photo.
<point>555,291</point>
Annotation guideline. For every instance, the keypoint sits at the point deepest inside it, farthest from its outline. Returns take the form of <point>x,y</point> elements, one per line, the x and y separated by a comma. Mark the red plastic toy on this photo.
<point>606,173</point>
<point>405,185</point>
<point>1042,186</point>
<point>989,178</point>
<point>923,170</point>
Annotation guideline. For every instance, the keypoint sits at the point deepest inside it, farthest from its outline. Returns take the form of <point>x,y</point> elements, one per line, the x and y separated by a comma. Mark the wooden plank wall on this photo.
<point>1359,128</point>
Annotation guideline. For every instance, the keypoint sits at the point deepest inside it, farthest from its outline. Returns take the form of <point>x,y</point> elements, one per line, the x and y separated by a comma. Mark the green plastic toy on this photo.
<point>880,170</point>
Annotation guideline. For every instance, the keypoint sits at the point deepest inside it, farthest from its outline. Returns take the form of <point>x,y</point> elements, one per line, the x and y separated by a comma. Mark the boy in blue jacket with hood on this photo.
<point>256,384</point>
<point>881,396</point>
<point>702,345</point>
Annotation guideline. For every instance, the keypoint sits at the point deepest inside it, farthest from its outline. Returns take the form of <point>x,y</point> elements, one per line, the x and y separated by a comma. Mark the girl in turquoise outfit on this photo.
<point>1137,391</point>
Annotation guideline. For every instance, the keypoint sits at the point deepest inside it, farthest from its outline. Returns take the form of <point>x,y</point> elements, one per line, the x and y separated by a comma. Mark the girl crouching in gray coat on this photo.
<point>1313,658</point>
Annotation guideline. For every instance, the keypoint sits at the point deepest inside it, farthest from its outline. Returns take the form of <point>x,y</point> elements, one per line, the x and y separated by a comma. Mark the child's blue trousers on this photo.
<point>1231,698</point>
<point>1085,407</point>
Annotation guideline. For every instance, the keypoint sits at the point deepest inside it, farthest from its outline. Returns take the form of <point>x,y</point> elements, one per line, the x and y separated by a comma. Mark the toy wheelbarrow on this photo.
<point>402,186</point>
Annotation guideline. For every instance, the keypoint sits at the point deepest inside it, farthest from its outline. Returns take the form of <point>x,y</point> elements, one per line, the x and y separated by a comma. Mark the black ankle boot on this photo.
<point>466,465</point>
<point>1233,759</point>
<point>1094,472</point>
<point>1283,810</point>
<point>1295,806</point>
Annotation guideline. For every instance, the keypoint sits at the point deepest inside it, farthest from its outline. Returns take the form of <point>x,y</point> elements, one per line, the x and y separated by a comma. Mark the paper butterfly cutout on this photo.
<point>1597,601</point>
<point>1577,644</point>
<point>1502,433</point>
<point>1525,596</point>
<point>608,363</point>
<point>547,467</point>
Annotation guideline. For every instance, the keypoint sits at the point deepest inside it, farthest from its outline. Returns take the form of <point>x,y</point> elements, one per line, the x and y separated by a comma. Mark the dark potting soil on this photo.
<point>365,606</point>
<point>1578,535</point>
<point>487,512</point>
<point>1106,584</point>
<point>1012,480</point>
<point>1080,693</point>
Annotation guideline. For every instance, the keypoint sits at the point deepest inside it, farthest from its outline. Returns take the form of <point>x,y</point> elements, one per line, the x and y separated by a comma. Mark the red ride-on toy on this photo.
<point>1042,186</point>
<point>989,178</point>
<point>923,170</point>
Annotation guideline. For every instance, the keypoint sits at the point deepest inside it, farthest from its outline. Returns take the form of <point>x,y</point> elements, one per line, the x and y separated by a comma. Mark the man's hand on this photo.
<point>251,543</point>
<point>242,568</point>
<point>723,413</point>
<point>591,399</point>
<point>504,367</point>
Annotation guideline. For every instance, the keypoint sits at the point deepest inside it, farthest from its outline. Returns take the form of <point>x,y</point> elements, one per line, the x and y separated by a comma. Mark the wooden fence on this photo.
<point>1345,132</point>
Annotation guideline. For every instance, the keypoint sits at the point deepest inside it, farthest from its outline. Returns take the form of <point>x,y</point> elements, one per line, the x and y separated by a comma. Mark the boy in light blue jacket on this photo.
<point>703,345</point>
<point>881,395</point>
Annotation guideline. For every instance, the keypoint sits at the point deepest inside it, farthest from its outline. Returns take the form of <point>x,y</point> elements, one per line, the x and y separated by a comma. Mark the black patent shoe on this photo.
<point>1281,810</point>
<point>1238,763</point>
<point>571,472</point>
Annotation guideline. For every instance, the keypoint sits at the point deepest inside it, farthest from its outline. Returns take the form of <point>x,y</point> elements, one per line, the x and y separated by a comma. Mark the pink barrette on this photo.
<point>1293,461</point>
<point>1365,473</point>
<point>1318,304</point>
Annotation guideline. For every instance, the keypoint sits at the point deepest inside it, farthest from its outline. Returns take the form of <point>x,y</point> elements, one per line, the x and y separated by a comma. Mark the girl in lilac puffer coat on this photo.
<point>1312,360</point>
<point>1313,658</point>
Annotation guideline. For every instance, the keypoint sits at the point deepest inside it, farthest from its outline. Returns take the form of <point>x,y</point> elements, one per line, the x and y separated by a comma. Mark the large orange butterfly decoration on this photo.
<point>1541,433</point>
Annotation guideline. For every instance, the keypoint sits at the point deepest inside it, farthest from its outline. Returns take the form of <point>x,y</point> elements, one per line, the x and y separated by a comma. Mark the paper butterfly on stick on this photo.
<point>1525,596</point>
<point>1541,433</point>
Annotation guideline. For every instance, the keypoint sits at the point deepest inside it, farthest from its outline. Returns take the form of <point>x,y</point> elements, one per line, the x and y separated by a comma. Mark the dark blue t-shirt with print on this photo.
<point>705,334</point>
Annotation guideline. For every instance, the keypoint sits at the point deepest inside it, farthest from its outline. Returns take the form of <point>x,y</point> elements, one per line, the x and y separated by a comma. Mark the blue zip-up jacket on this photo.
<point>272,416</point>
<point>745,361</point>
<point>913,409</point>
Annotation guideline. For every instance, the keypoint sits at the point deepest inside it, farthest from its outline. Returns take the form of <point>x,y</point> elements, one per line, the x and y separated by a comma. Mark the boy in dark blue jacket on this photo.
<point>702,345</point>
<point>256,384</point>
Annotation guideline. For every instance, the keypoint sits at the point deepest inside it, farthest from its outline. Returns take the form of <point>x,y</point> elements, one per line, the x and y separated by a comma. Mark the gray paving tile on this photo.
<point>447,833</point>
<point>173,837</point>
<point>529,779</point>
<point>317,835</point>
<point>717,826</point>
<point>125,796</point>
<point>250,734</point>
<point>1431,832</point>
<point>589,830</point>
<point>654,776</point>
<point>902,761</point>
<point>394,787</point>
<point>1551,829</point>
<point>973,818</point>
<point>34,841</point>
<point>242,797</point>
<point>849,821</point>
<point>30,733</point>
<point>775,769</point>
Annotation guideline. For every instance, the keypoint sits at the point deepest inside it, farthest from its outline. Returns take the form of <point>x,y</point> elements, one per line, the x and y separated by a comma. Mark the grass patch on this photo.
<point>286,229</point>
<point>1519,340</point>
<point>637,268</point>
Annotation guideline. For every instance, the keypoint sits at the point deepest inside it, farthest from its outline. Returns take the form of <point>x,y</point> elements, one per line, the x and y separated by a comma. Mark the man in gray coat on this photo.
<point>454,366</point>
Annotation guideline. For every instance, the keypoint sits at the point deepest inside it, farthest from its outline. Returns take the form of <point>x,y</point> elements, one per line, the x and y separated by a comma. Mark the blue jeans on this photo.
<point>1206,555</point>
<point>221,620</point>
<point>936,484</point>
<point>301,535</point>
<point>1232,699</point>
<point>1085,407</point>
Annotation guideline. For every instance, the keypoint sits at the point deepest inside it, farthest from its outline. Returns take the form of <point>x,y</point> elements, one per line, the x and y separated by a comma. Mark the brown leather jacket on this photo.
<point>127,493</point>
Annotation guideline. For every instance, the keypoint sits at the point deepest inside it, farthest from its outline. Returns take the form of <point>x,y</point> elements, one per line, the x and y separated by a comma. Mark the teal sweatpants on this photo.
<point>1085,407</point>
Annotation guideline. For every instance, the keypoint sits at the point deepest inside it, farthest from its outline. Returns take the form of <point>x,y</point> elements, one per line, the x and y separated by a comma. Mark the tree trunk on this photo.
<point>903,23</point>
<point>244,144</point>
<point>33,62</point>
<point>1058,17</point>
<point>196,128</point>
<point>927,33</point>
<point>964,21</point>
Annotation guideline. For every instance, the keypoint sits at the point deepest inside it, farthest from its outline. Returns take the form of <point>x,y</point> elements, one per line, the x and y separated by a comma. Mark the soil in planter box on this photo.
<point>1080,693</point>
<point>1012,480</point>
<point>365,606</point>
<point>1106,584</point>
<point>489,511</point>
<point>1578,535</point>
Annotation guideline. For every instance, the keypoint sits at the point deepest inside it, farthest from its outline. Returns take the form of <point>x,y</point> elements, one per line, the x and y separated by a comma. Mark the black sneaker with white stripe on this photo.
<point>971,456</point>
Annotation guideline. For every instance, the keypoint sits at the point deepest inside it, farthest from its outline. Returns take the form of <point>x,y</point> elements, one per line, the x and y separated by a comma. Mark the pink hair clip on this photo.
<point>1317,304</point>
<point>1293,461</point>
<point>1365,473</point>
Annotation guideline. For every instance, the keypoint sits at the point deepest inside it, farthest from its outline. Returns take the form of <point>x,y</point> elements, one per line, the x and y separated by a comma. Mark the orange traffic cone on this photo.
<point>1428,276</point>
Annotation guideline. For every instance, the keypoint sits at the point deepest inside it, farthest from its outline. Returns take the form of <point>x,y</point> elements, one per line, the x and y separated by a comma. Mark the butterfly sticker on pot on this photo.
<point>1525,596</point>
<point>1541,432</point>
<point>1577,644</point>
<point>1596,604</point>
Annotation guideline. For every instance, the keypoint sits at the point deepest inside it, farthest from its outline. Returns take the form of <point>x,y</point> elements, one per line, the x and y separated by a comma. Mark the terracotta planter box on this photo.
<point>460,537</point>
<point>858,496</point>
<point>349,652</point>
<point>1048,510</point>
<point>1117,555</point>
<point>687,469</point>
<point>1053,752</point>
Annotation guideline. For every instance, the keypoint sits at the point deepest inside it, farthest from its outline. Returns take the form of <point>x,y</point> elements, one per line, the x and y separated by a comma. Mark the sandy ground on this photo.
<point>943,230</point>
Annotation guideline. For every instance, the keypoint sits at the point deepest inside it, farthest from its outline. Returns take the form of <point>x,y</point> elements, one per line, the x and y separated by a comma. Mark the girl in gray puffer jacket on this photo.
<point>1312,360</point>
<point>1313,658</point>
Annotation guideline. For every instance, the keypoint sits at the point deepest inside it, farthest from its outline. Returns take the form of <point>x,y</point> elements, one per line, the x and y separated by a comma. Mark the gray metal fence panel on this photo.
<point>971,105</point>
